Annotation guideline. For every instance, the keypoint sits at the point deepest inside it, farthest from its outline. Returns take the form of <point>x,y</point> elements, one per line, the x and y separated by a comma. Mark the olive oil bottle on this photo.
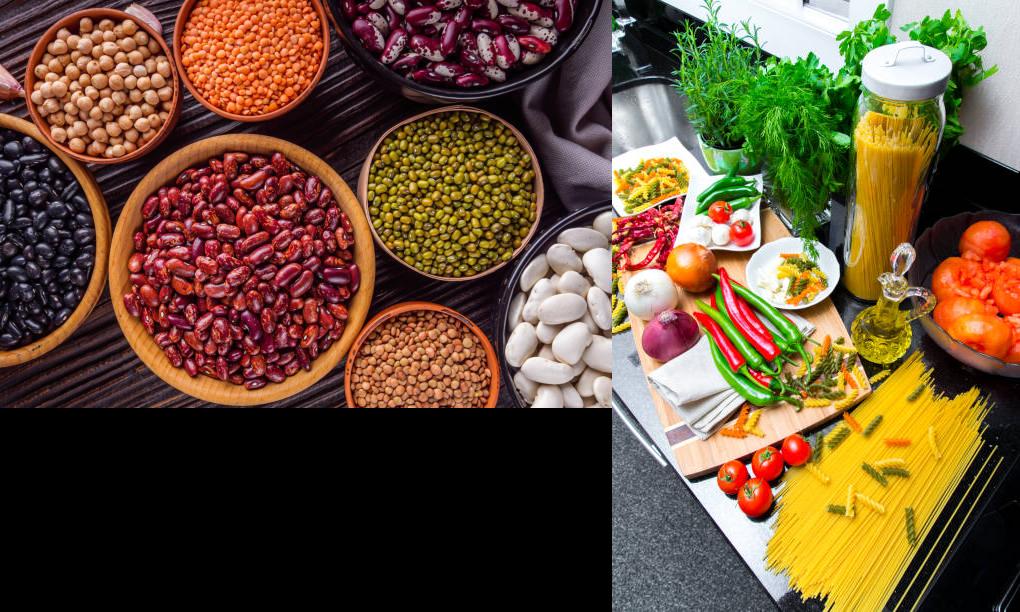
<point>882,332</point>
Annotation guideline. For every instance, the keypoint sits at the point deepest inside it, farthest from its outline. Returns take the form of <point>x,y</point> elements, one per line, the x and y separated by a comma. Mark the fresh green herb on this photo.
<point>715,74</point>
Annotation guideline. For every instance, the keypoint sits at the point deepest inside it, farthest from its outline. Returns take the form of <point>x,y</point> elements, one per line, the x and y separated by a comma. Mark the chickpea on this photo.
<point>64,60</point>
<point>129,27</point>
<point>130,147</point>
<point>97,38</point>
<point>46,89</point>
<point>96,113</point>
<point>51,78</point>
<point>57,47</point>
<point>127,44</point>
<point>63,33</point>
<point>153,46</point>
<point>131,135</point>
<point>59,89</point>
<point>119,97</point>
<point>106,105</point>
<point>120,57</point>
<point>113,129</point>
<point>163,68</point>
<point>106,24</point>
<point>119,31</point>
<point>157,80</point>
<point>134,112</point>
<point>92,124</point>
<point>92,92</point>
<point>122,70</point>
<point>36,97</point>
<point>118,150</point>
<point>135,57</point>
<point>130,82</point>
<point>165,94</point>
<point>95,149</point>
<point>47,57</point>
<point>81,63</point>
<point>92,67</point>
<point>116,82</point>
<point>57,118</point>
<point>59,134</point>
<point>139,71</point>
<point>147,109</point>
<point>151,98</point>
<point>40,71</point>
<point>85,45</point>
<point>141,37</point>
<point>116,140</point>
<point>135,96</point>
<point>154,121</point>
<point>97,50</point>
<point>72,72</point>
<point>106,63</point>
<point>77,145</point>
<point>99,134</point>
<point>109,48</point>
<point>54,65</point>
<point>72,41</point>
<point>124,122</point>
<point>84,103</point>
<point>150,66</point>
<point>51,106</point>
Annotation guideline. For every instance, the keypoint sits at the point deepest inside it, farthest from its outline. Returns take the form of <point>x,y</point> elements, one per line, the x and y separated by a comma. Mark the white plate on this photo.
<point>766,256</point>
<point>689,216</point>
<point>670,148</point>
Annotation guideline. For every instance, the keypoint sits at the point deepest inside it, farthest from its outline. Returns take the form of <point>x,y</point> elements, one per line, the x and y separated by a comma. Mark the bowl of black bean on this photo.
<point>54,243</point>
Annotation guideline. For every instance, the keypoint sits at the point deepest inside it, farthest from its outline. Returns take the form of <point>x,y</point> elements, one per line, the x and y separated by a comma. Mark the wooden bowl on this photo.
<point>405,307</point>
<point>539,188</point>
<point>101,222</point>
<point>204,387</point>
<point>182,18</point>
<point>71,22</point>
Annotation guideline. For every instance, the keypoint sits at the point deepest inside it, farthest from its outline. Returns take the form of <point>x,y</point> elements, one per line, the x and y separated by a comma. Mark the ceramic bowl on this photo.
<point>765,257</point>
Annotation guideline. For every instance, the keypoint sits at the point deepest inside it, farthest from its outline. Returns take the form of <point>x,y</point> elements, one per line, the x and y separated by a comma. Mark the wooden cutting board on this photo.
<point>700,457</point>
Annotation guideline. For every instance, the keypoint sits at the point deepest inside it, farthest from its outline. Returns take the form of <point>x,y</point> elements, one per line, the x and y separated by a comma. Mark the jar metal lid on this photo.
<point>906,71</point>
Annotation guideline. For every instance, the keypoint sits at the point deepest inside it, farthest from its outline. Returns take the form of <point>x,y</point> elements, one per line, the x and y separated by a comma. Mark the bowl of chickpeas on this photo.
<point>102,86</point>
<point>251,60</point>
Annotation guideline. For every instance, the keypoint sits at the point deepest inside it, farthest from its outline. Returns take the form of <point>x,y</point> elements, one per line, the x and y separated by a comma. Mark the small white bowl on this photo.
<point>770,251</point>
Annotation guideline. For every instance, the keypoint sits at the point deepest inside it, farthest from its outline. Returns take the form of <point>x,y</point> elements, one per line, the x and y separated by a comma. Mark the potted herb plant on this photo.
<point>718,63</point>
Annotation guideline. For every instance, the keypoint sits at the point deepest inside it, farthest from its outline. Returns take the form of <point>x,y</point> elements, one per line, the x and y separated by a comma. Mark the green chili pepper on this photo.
<point>744,202</point>
<point>729,181</point>
<point>790,333</point>
<point>752,392</point>
<point>753,357</point>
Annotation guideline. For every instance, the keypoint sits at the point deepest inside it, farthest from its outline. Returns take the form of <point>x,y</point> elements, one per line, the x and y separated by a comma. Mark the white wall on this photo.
<point>991,111</point>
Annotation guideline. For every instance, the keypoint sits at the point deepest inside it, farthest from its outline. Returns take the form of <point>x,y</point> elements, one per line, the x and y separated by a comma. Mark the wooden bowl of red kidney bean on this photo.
<point>421,355</point>
<point>448,51</point>
<point>54,238</point>
<point>242,269</point>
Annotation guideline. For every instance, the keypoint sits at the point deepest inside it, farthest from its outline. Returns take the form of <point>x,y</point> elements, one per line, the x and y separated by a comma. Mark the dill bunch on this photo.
<point>718,63</point>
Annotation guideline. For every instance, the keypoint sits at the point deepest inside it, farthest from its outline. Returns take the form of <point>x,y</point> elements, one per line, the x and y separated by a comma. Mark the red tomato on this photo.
<point>796,450</point>
<point>984,333</point>
<point>742,233</point>
<point>767,463</point>
<point>1013,355</point>
<point>720,211</point>
<point>1006,291</point>
<point>732,474</point>
<point>955,307</point>
<point>956,276</point>
<point>755,497</point>
<point>988,239</point>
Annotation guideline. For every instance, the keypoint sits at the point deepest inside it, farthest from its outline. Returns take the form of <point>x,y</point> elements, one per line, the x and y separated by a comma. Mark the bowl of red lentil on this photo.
<point>421,355</point>
<point>251,60</point>
<point>100,32</point>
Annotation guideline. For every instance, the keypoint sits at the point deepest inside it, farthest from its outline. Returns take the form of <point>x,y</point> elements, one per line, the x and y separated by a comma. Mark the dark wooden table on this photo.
<point>346,113</point>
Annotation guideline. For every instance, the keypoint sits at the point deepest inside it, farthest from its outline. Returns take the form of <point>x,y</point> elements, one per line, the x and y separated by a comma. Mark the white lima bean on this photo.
<point>596,262</point>
<point>571,398</point>
<point>546,333</point>
<point>542,290</point>
<point>572,282</point>
<point>546,352</point>
<point>599,308</point>
<point>604,223</point>
<point>583,239</point>
<point>586,381</point>
<point>562,308</point>
<point>521,344</point>
<point>514,318</point>
<point>546,371</point>
<point>569,344</point>
<point>562,258</point>
<point>548,396</point>
<point>587,320</point>
<point>603,387</point>
<point>534,271</point>
<point>526,387</point>
<point>599,354</point>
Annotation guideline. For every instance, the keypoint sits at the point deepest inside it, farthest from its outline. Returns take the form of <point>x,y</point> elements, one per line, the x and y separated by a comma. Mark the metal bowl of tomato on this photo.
<point>977,319</point>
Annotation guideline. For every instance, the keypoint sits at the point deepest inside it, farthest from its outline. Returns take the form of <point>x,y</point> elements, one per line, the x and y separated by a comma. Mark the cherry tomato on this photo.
<point>1006,291</point>
<point>955,307</point>
<point>755,497</point>
<point>984,333</point>
<point>742,233</point>
<point>732,474</point>
<point>767,463</point>
<point>796,450</point>
<point>720,211</point>
<point>988,239</point>
<point>956,276</point>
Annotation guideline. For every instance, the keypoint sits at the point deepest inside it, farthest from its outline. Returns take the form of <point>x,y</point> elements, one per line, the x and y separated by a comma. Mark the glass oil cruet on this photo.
<point>882,332</point>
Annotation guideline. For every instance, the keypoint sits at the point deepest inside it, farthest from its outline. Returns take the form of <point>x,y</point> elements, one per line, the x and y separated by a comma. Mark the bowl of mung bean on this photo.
<point>453,193</point>
<point>251,60</point>
<point>421,355</point>
<point>102,86</point>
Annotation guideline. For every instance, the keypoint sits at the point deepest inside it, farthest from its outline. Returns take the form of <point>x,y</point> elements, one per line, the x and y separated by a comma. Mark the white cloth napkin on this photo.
<point>692,385</point>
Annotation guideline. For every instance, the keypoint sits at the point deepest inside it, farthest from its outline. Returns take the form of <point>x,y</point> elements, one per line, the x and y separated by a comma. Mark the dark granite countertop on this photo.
<point>980,557</point>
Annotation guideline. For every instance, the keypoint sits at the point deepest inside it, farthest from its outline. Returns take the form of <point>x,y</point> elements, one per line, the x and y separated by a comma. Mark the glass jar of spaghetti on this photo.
<point>898,127</point>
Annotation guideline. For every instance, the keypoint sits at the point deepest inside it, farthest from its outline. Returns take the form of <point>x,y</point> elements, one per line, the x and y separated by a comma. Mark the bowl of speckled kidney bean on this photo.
<point>421,355</point>
<point>242,269</point>
<point>54,239</point>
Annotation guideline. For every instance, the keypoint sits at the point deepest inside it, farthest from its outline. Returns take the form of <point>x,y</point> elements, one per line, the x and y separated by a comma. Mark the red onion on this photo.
<point>668,334</point>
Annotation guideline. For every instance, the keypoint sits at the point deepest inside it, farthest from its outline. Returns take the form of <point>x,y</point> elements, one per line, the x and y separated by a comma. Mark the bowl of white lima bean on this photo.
<point>101,85</point>
<point>554,317</point>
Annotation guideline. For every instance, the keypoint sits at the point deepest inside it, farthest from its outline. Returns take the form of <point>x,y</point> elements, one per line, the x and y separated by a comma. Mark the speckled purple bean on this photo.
<point>470,79</point>
<point>394,46</point>
<point>471,60</point>
<point>400,6</point>
<point>424,75</point>
<point>485,48</point>
<point>393,18</point>
<point>495,73</point>
<point>423,16</point>
<point>427,48</point>
<point>349,8</point>
<point>504,56</point>
<point>533,13</point>
<point>447,69</point>
<point>530,58</point>
<point>379,22</point>
<point>549,35</point>
<point>407,61</point>
<point>375,5</point>
<point>491,9</point>
<point>446,5</point>
<point>510,3</point>
<point>564,15</point>
<point>489,26</point>
<point>517,25</point>
<point>448,42</point>
<point>370,35</point>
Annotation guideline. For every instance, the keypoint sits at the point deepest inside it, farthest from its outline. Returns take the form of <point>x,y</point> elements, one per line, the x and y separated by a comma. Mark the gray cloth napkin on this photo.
<point>692,385</point>
<point>569,117</point>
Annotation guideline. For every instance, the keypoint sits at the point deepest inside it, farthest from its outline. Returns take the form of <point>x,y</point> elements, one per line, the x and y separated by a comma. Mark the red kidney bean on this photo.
<point>286,274</point>
<point>564,14</point>
<point>303,283</point>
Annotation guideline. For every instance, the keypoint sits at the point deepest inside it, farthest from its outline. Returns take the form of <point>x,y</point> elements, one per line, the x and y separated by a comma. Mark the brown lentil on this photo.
<point>252,57</point>
<point>421,359</point>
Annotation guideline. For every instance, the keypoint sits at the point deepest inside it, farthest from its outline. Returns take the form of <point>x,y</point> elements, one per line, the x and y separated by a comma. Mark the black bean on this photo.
<point>16,273</point>
<point>56,210</point>
<point>85,235</point>
<point>67,247</point>
<point>9,249</point>
<point>40,219</point>
<point>7,167</point>
<point>60,261</point>
<point>27,174</point>
<point>69,192</point>
<point>51,235</point>
<point>37,197</point>
<point>43,251</point>
<point>21,222</point>
<point>81,203</point>
<point>61,316</point>
<point>71,298</point>
<point>78,277</point>
<point>33,270</point>
<point>8,214</point>
<point>83,261</point>
<point>83,220</point>
<point>12,150</point>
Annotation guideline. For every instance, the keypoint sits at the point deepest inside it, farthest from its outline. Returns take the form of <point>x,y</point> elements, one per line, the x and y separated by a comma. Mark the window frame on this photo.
<point>790,28</point>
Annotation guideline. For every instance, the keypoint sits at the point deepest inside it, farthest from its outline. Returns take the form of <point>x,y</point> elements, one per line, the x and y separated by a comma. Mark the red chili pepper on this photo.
<point>650,257</point>
<point>763,343</point>
<point>748,313</point>
<point>733,357</point>
<point>762,379</point>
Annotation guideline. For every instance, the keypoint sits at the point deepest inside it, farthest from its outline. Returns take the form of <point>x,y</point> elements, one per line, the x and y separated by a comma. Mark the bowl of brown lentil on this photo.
<point>453,193</point>
<point>102,87</point>
<point>421,355</point>
<point>251,60</point>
